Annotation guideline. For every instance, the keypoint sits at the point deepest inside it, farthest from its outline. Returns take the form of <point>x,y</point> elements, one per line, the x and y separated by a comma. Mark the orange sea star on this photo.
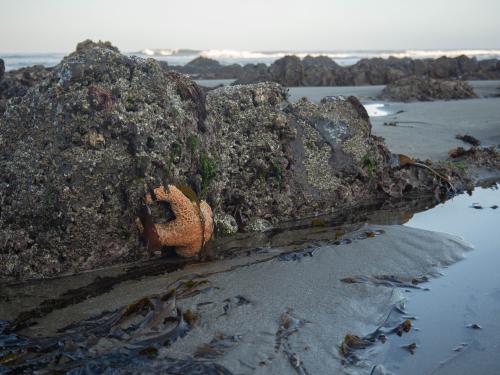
<point>191,229</point>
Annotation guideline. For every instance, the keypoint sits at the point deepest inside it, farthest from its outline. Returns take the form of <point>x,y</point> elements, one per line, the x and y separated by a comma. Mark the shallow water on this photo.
<point>467,293</point>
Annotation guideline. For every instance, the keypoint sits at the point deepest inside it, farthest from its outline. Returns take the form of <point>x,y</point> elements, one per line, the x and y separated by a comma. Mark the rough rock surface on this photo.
<point>78,152</point>
<point>225,224</point>
<point>418,89</point>
<point>278,161</point>
<point>477,157</point>
<point>82,147</point>
<point>16,83</point>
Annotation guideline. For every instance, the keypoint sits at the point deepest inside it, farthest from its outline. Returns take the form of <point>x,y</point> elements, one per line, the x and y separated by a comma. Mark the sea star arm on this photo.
<point>206,212</point>
<point>172,234</point>
<point>174,196</point>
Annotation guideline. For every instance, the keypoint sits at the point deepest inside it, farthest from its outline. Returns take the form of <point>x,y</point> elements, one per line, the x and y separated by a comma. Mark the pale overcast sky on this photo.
<point>131,25</point>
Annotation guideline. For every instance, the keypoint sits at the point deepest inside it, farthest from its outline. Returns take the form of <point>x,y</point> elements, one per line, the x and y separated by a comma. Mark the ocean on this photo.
<point>226,57</point>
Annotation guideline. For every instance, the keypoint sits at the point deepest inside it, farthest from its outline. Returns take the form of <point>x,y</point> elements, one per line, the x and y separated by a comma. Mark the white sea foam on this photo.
<point>148,52</point>
<point>240,55</point>
<point>425,54</point>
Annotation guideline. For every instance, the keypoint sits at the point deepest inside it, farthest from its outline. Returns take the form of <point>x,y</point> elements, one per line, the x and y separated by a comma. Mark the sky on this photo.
<point>258,25</point>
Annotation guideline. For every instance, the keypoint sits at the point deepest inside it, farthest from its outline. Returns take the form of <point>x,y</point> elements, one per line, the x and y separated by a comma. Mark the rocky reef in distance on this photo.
<point>88,139</point>
<point>323,71</point>
<point>420,89</point>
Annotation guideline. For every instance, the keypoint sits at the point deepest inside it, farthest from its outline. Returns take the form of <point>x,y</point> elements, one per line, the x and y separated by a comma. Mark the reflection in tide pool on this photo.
<point>467,294</point>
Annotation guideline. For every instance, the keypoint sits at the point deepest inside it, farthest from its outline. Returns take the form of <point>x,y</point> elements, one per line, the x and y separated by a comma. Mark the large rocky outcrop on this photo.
<point>418,89</point>
<point>82,147</point>
<point>78,151</point>
<point>278,162</point>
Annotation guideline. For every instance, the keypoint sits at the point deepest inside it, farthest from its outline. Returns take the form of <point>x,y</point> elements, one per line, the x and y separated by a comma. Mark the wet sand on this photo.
<point>312,290</point>
<point>428,130</point>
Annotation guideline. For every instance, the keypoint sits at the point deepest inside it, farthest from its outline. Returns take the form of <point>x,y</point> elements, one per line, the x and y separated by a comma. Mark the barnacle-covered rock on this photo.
<point>85,143</point>
<point>277,161</point>
<point>225,224</point>
<point>80,149</point>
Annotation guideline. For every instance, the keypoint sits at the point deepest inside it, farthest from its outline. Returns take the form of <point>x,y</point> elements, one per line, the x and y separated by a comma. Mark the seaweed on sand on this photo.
<point>290,324</point>
<point>352,345</point>
<point>126,340</point>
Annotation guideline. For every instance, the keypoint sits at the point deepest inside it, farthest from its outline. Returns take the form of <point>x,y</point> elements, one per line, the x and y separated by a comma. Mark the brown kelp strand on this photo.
<point>290,324</point>
<point>396,323</point>
<point>128,340</point>
<point>388,281</point>
<point>219,345</point>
